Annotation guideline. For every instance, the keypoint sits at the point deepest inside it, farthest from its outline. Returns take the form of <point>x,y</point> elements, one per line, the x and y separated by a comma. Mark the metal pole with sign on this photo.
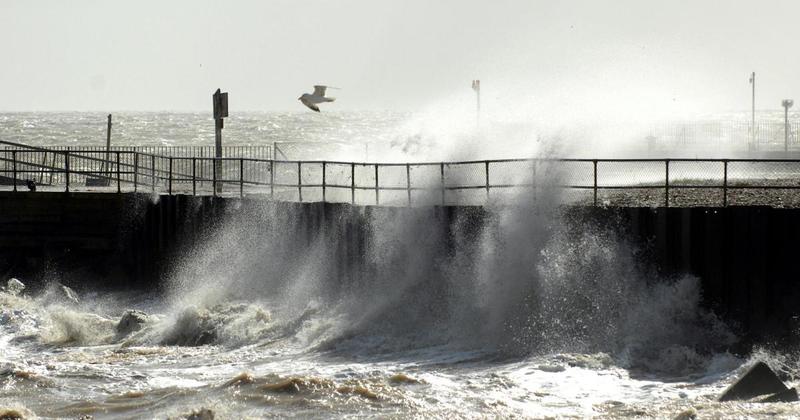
<point>220,112</point>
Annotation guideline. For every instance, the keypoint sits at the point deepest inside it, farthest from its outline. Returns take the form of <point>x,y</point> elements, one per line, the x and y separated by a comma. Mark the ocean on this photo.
<point>531,316</point>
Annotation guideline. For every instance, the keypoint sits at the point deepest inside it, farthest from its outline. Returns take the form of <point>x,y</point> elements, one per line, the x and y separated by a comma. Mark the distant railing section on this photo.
<point>255,152</point>
<point>736,135</point>
<point>604,182</point>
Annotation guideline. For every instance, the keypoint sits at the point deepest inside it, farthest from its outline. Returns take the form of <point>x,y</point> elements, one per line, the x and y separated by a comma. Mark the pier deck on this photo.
<point>595,182</point>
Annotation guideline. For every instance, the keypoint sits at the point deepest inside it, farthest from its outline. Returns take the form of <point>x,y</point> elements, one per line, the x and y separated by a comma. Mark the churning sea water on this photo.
<point>529,316</point>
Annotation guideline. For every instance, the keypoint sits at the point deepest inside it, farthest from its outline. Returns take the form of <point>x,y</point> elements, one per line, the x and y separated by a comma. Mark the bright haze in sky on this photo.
<point>692,56</point>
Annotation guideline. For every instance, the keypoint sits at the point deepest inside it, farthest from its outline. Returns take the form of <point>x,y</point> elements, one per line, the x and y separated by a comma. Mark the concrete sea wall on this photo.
<point>747,257</point>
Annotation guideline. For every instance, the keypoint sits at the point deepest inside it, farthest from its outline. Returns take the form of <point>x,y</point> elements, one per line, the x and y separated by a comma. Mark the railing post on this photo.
<point>408,183</point>
<point>119,185</point>
<point>377,189</point>
<point>725,183</point>
<point>14,168</point>
<point>135,171</point>
<point>323,181</point>
<point>194,177</point>
<point>300,180</point>
<point>352,183</point>
<point>153,172</point>
<point>66,168</point>
<point>666,183</point>
<point>487,180</point>
<point>272,178</point>
<point>441,170</point>
<point>214,177</point>
<point>594,164</point>
<point>241,177</point>
<point>170,176</point>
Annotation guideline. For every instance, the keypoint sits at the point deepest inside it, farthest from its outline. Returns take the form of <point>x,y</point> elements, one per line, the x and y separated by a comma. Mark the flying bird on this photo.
<point>311,100</point>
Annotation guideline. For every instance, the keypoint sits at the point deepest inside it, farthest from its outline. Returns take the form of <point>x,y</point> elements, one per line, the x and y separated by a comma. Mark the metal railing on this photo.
<point>642,182</point>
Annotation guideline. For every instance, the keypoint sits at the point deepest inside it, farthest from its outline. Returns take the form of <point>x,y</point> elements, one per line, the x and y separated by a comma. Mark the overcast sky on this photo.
<point>396,55</point>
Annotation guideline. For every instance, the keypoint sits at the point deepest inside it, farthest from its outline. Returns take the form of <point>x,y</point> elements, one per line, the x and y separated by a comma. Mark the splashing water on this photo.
<point>524,310</point>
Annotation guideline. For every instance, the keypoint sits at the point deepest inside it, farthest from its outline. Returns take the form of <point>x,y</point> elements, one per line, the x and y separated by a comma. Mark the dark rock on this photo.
<point>131,321</point>
<point>758,380</point>
<point>790,395</point>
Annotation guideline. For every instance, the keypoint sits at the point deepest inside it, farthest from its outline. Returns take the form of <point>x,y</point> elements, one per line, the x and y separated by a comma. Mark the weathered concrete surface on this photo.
<point>745,256</point>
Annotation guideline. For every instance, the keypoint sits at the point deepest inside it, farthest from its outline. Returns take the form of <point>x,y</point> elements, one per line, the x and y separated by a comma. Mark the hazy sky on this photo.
<point>159,55</point>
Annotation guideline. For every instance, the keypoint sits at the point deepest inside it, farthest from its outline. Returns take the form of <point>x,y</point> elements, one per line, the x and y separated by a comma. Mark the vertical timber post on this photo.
<point>323,181</point>
<point>272,178</point>
<point>153,173</point>
<point>300,180</point>
<point>194,178</point>
<point>441,171</point>
<point>377,186</point>
<point>135,171</point>
<point>241,177</point>
<point>486,164</point>
<point>119,185</point>
<point>725,183</point>
<point>220,100</point>
<point>14,168</point>
<point>170,175</point>
<point>408,183</point>
<point>352,183</point>
<point>66,168</point>
<point>666,183</point>
<point>108,142</point>
<point>214,178</point>
<point>594,188</point>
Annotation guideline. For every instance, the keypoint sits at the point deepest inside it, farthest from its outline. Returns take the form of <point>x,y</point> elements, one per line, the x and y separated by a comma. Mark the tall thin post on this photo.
<point>787,103</point>
<point>272,178</point>
<point>220,101</point>
<point>753,108</point>
<point>14,168</point>
<point>153,173</point>
<point>666,183</point>
<point>377,186</point>
<point>170,175</point>
<point>214,177</point>
<point>119,185</point>
<point>725,183</point>
<point>441,171</point>
<point>135,171</point>
<point>408,183</point>
<point>323,181</point>
<point>352,183</point>
<point>300,180</point>
<point>594,164</point>
<point>486,165</point>
<point>241,177</point>
<point>194,178</point>
<point>108,141</point>
<point>66,168</point>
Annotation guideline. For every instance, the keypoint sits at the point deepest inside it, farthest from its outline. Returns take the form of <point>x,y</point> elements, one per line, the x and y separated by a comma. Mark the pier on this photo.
<point>123,221</point>
<point>595,182</point>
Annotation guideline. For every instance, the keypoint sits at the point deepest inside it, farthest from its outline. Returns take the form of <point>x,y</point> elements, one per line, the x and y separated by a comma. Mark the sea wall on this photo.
<point>746,257</point>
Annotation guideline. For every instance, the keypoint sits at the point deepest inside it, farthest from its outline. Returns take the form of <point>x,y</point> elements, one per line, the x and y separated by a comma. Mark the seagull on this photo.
<point>318,97</point>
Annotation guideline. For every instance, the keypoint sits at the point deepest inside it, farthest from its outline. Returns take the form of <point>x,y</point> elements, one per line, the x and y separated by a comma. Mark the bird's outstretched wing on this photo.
<point>319,90</point>
<point>310,105</point>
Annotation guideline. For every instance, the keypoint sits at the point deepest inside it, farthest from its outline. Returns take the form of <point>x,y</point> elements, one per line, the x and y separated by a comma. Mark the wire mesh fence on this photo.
<point>603,182</point>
